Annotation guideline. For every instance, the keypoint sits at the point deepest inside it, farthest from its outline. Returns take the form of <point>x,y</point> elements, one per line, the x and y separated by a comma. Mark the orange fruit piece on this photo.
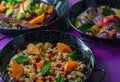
<point>2,8</point>
<point>70,65</point>
<point>38,19</point>
<point>17,70</point>
<point>40,64</point>
<point>63,47</point>
<point>33,49</point>
<point>39,81</point>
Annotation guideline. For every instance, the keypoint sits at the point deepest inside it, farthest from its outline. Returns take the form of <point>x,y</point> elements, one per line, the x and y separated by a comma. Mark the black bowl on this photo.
<point>20,42</point>
<point>60,7</point>
<point>81,6</point>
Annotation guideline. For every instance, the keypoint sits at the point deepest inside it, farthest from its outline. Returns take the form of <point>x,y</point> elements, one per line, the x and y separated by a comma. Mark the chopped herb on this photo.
<point>22,59</point>
<point>116,27</point>
<point>16,1</point>
<point>33,6</point>
<point>28,11</point>
<point>45,67</point>
<point>107,11</point>
<point>85,27</point>
<point>59,79</point>
<point>74,56</point>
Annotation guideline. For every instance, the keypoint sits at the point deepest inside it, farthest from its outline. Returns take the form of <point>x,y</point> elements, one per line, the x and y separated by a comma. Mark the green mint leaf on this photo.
<point>33,6</point>
<point>16,1</point>
<point>59,79</point>
<point>116,27</point>
<point>74,56</point>
<point>85,27</point>
<point>45,67</point>
<point>107,11</point>
<point>28,11</point>
<point>22,59</point>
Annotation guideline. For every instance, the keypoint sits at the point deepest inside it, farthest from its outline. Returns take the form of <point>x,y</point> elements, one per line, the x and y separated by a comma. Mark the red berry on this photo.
<point>63,60</point>
<point>16,80</point>
<point>49,56</point>
<point>50,79</point>
<point>35,66</point>
<point>58,65</point>
<point>43,78</point>
<point>34,80</point>
<point>60,58</point>
<point>53,53</point>
<point>62,69</point>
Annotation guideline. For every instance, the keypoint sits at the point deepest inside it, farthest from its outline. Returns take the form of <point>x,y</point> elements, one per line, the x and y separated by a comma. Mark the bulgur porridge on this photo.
<point>43,62</point>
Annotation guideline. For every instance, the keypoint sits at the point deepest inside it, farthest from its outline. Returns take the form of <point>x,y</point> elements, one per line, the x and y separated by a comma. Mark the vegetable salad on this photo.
<point>33,13</point>
<point>45,63</point>
<point>102,22</point>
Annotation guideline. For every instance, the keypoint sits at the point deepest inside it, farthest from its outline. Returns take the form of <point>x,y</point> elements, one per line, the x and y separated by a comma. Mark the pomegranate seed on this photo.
<point>63,60</point>
<point>50,52</point>
<point>60,58</point>
<point>55,78</point>
<point>35,66</point>
<point>16,80</point>
<point>58,65</point>
<point>49,79</point>
<point>43,78</point>
<point>53,53</point>
<point>49,56</point>
<point>34,80</point>
<point>62,69</point>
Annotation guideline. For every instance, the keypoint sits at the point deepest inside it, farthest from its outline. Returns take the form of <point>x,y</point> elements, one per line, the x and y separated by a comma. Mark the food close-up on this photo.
<point>59,40</point>
<point>47,64</point>
<point>25,13</point>
<point>102,22</point>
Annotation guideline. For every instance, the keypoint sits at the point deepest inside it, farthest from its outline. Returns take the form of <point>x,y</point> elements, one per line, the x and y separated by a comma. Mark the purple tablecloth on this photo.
<point>107,56</point>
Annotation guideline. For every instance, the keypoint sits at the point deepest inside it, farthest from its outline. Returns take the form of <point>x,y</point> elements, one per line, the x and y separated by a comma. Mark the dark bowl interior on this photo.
<point>81,6</point>
<point>60,7</point>
<point>53,37</point>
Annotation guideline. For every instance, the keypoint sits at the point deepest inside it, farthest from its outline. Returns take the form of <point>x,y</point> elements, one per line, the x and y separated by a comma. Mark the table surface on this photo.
<point>107,56</point>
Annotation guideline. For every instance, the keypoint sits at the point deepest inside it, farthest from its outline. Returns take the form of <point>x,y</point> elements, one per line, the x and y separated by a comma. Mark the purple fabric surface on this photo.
<point>107,56</point>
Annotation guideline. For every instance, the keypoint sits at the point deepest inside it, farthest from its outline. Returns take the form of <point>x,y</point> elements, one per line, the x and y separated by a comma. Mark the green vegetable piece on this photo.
<point>20,15</point>
<point>43,6</point>
<point>8,5</point>
<point>85,27</point>
<point>74,56</point>
<point>38,11</point>
<point>107,11</point>
<point>33,6</point>
<point>116,27</point>
<point>45,67</point>
<point>59,79</point>
<point>16,1</point>
<point>9,12</point>
<point>22,59</point>
<point>28,11</point>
